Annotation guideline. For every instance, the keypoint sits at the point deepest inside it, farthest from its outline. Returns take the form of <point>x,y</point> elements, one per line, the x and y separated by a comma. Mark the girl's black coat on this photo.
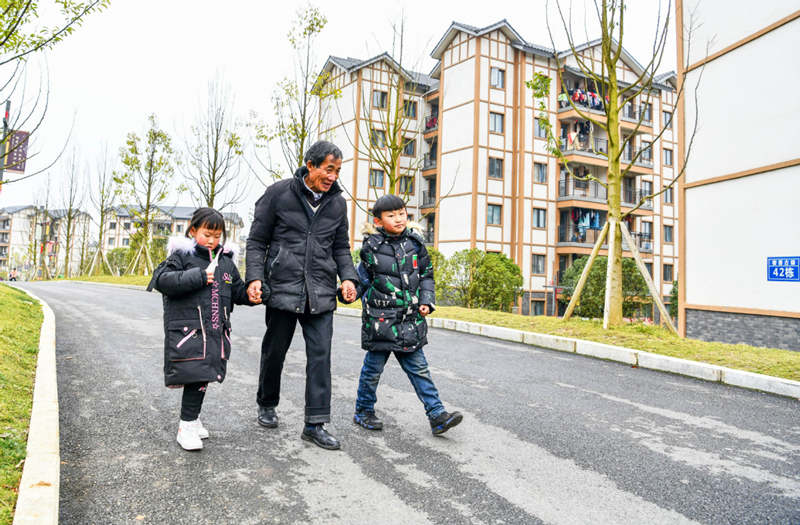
<point>396,277</point>
<point>197,337</point>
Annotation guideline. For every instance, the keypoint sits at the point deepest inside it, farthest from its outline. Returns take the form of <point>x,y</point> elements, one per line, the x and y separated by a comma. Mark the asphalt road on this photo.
<point>547,437</point>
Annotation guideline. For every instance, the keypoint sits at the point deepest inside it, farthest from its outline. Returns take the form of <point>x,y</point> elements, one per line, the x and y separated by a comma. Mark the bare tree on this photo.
<point>298,102</point>
<point>21,35</point>
<point>619,151</point>
<point>102,195</point>
<point>145,181</point>
<point>215,152</point>
<point>72,197</point>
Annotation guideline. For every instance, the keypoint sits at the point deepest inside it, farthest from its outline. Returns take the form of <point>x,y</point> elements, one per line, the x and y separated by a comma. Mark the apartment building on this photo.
<point>740,245</point>
<point>479,173</point>
<point>25,230</point>
<point>168,221</point>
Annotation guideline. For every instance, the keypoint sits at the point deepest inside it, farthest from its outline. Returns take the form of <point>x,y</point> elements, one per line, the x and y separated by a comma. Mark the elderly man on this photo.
<point>298,244</point>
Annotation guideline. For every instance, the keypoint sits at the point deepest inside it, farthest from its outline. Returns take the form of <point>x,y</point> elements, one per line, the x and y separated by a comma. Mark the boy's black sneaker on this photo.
<point>368,420</point>
<point>444,422</point>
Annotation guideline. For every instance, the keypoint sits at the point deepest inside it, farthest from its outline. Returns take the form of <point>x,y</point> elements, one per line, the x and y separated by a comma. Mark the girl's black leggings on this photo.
<point>192,401</point>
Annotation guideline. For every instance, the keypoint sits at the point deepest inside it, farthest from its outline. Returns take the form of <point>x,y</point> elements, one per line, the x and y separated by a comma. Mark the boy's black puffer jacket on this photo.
<point>197,327</point>
<point>396,277</point>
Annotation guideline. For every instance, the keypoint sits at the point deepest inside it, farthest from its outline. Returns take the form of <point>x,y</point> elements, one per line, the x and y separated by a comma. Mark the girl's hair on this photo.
<point>207,218</point>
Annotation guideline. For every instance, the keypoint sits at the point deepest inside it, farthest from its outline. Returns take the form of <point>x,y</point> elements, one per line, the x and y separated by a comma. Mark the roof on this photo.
<point>181,213</point>
<point>352,65</point>
<point>502,25</point>
<point>14,209</point>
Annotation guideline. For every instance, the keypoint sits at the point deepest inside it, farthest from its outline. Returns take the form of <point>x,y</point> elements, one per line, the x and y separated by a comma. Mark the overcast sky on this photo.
<point>157,56</point>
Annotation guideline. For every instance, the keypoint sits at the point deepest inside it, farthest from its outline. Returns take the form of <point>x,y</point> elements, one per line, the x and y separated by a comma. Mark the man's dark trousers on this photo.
<point>317,332</point>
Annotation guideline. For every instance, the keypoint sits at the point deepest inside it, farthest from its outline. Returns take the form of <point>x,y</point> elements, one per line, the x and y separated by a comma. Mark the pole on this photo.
<point>5,142</point>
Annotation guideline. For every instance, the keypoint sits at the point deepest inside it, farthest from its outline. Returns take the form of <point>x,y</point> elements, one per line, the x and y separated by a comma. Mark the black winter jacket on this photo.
<point>298,253</point>
<point>396,277</point>
<point>197,326</point>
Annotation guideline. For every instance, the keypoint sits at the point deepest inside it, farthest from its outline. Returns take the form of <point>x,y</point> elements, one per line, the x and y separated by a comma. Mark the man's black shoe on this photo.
<point>445,421</point>
<point>320,437</point>
<point>368,420</point>
<point>267,417</point>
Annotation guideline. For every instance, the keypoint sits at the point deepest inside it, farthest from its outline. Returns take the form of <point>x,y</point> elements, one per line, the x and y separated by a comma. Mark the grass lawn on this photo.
<point>20,323</point>
<point>142,280</point>
<point>769,361</point>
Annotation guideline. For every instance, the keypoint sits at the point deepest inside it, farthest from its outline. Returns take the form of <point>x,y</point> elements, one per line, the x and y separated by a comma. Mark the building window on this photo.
<point>647,151</point>
<point>540,173</point>
<point>667,233</point>
<point>494,214</point>
<point>376,178</point>
<point>667,273</point>
<point>667,157</point>
<point>410,109</point>
<point>406,185</point>
<point>647,111</point>
<point>495,168</point>
<point>126,242</point>
<point>541,129</point>
<point>667,116</point>
<point>379,99</point>
<point>112,225</point>
<point>539,218</point>
<point>127,226</point>
<point>378,138</point>
<point>111,241</point>
<point>649,267</point>
<point>537,307</point>
<point>409,147</point>
<point>647,229</point>
<point>179,228</point>
<point>498,78</point>
<point>668,195</point>
<point>496,122</point>
<point>537,264</point>
<point>647,188</point>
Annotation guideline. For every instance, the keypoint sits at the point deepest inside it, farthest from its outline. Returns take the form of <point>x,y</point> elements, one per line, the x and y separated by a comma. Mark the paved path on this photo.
<point>547,437</point>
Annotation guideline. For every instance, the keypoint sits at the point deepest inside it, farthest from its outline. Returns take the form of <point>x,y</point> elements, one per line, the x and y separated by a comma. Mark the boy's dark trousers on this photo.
<point>317,332</point>
<point>413,364</point>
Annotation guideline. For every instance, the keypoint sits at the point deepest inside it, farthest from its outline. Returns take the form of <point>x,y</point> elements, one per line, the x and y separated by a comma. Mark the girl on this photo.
<point>200,284</point>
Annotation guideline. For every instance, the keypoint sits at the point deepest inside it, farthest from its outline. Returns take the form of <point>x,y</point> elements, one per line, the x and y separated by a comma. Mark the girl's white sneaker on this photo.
<point>188,436</point>
<point>201,430</point>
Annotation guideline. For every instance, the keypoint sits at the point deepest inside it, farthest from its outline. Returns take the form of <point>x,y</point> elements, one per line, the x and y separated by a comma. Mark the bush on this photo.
<point>476,279</point>
<point>635,294</point>
<point>673,299</point>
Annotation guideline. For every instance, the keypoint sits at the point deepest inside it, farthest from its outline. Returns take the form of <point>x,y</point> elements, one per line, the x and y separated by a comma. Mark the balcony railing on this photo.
<point>582,143</point>
<point>581,189</point>
<point>573,234</point>
<point>429,161</point>
<point>4,238</point>
<point>645,159</point>
<point>431,122</point>
<point>428,199</point>
<point>632,112</point>
<point>5,225</point>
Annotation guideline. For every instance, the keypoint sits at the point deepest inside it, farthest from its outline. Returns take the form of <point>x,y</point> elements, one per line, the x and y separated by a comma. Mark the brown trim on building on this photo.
<point>353,204</point>
<point>738,310</point>
<point>745,173</point>
<point>680,165</point>
<point>475,137</point>
<point>742,42</point>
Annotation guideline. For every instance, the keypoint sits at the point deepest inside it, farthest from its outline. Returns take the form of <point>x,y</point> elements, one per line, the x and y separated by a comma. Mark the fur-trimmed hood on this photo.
<point>186,245</point>
<point>368,227</point>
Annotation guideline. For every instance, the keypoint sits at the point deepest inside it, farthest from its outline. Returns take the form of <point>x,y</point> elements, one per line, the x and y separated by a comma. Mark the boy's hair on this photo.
<point>207,218</point>
<point>387,203</point>
<point>319,151</point>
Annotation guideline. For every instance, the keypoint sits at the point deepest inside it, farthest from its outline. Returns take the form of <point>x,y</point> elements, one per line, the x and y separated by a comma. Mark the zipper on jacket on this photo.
<point>222,339</point>
<point>202,327</point>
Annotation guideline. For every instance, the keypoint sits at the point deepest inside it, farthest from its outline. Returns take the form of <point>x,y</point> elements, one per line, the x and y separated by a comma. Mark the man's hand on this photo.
<point>424,310</point>
<point>254,292</point>
<point>349,291</point>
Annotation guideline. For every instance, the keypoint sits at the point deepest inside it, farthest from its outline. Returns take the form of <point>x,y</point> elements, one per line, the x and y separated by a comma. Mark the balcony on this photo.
<point>5,225</point>
<point>632,113</point>
<point>428,199</point>
<point>582,189</point>
<point>3,238</point>
<point>644,160</point>
<point>429,237</point>
<point>597,147</point>
<point>631,197</point>
<point>431,122</point>
<point>573,235</point>
<point>429,161</point>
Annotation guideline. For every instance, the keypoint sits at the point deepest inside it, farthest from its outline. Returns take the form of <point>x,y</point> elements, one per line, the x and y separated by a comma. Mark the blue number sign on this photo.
<point>783,269</point>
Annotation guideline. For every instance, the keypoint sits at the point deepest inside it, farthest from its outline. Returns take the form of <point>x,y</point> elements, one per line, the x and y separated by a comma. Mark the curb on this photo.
<point>619,354</point>
<point>37,501</point>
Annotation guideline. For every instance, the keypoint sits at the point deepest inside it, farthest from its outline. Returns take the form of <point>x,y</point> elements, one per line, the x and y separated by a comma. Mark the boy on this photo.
<point>397,291</point>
